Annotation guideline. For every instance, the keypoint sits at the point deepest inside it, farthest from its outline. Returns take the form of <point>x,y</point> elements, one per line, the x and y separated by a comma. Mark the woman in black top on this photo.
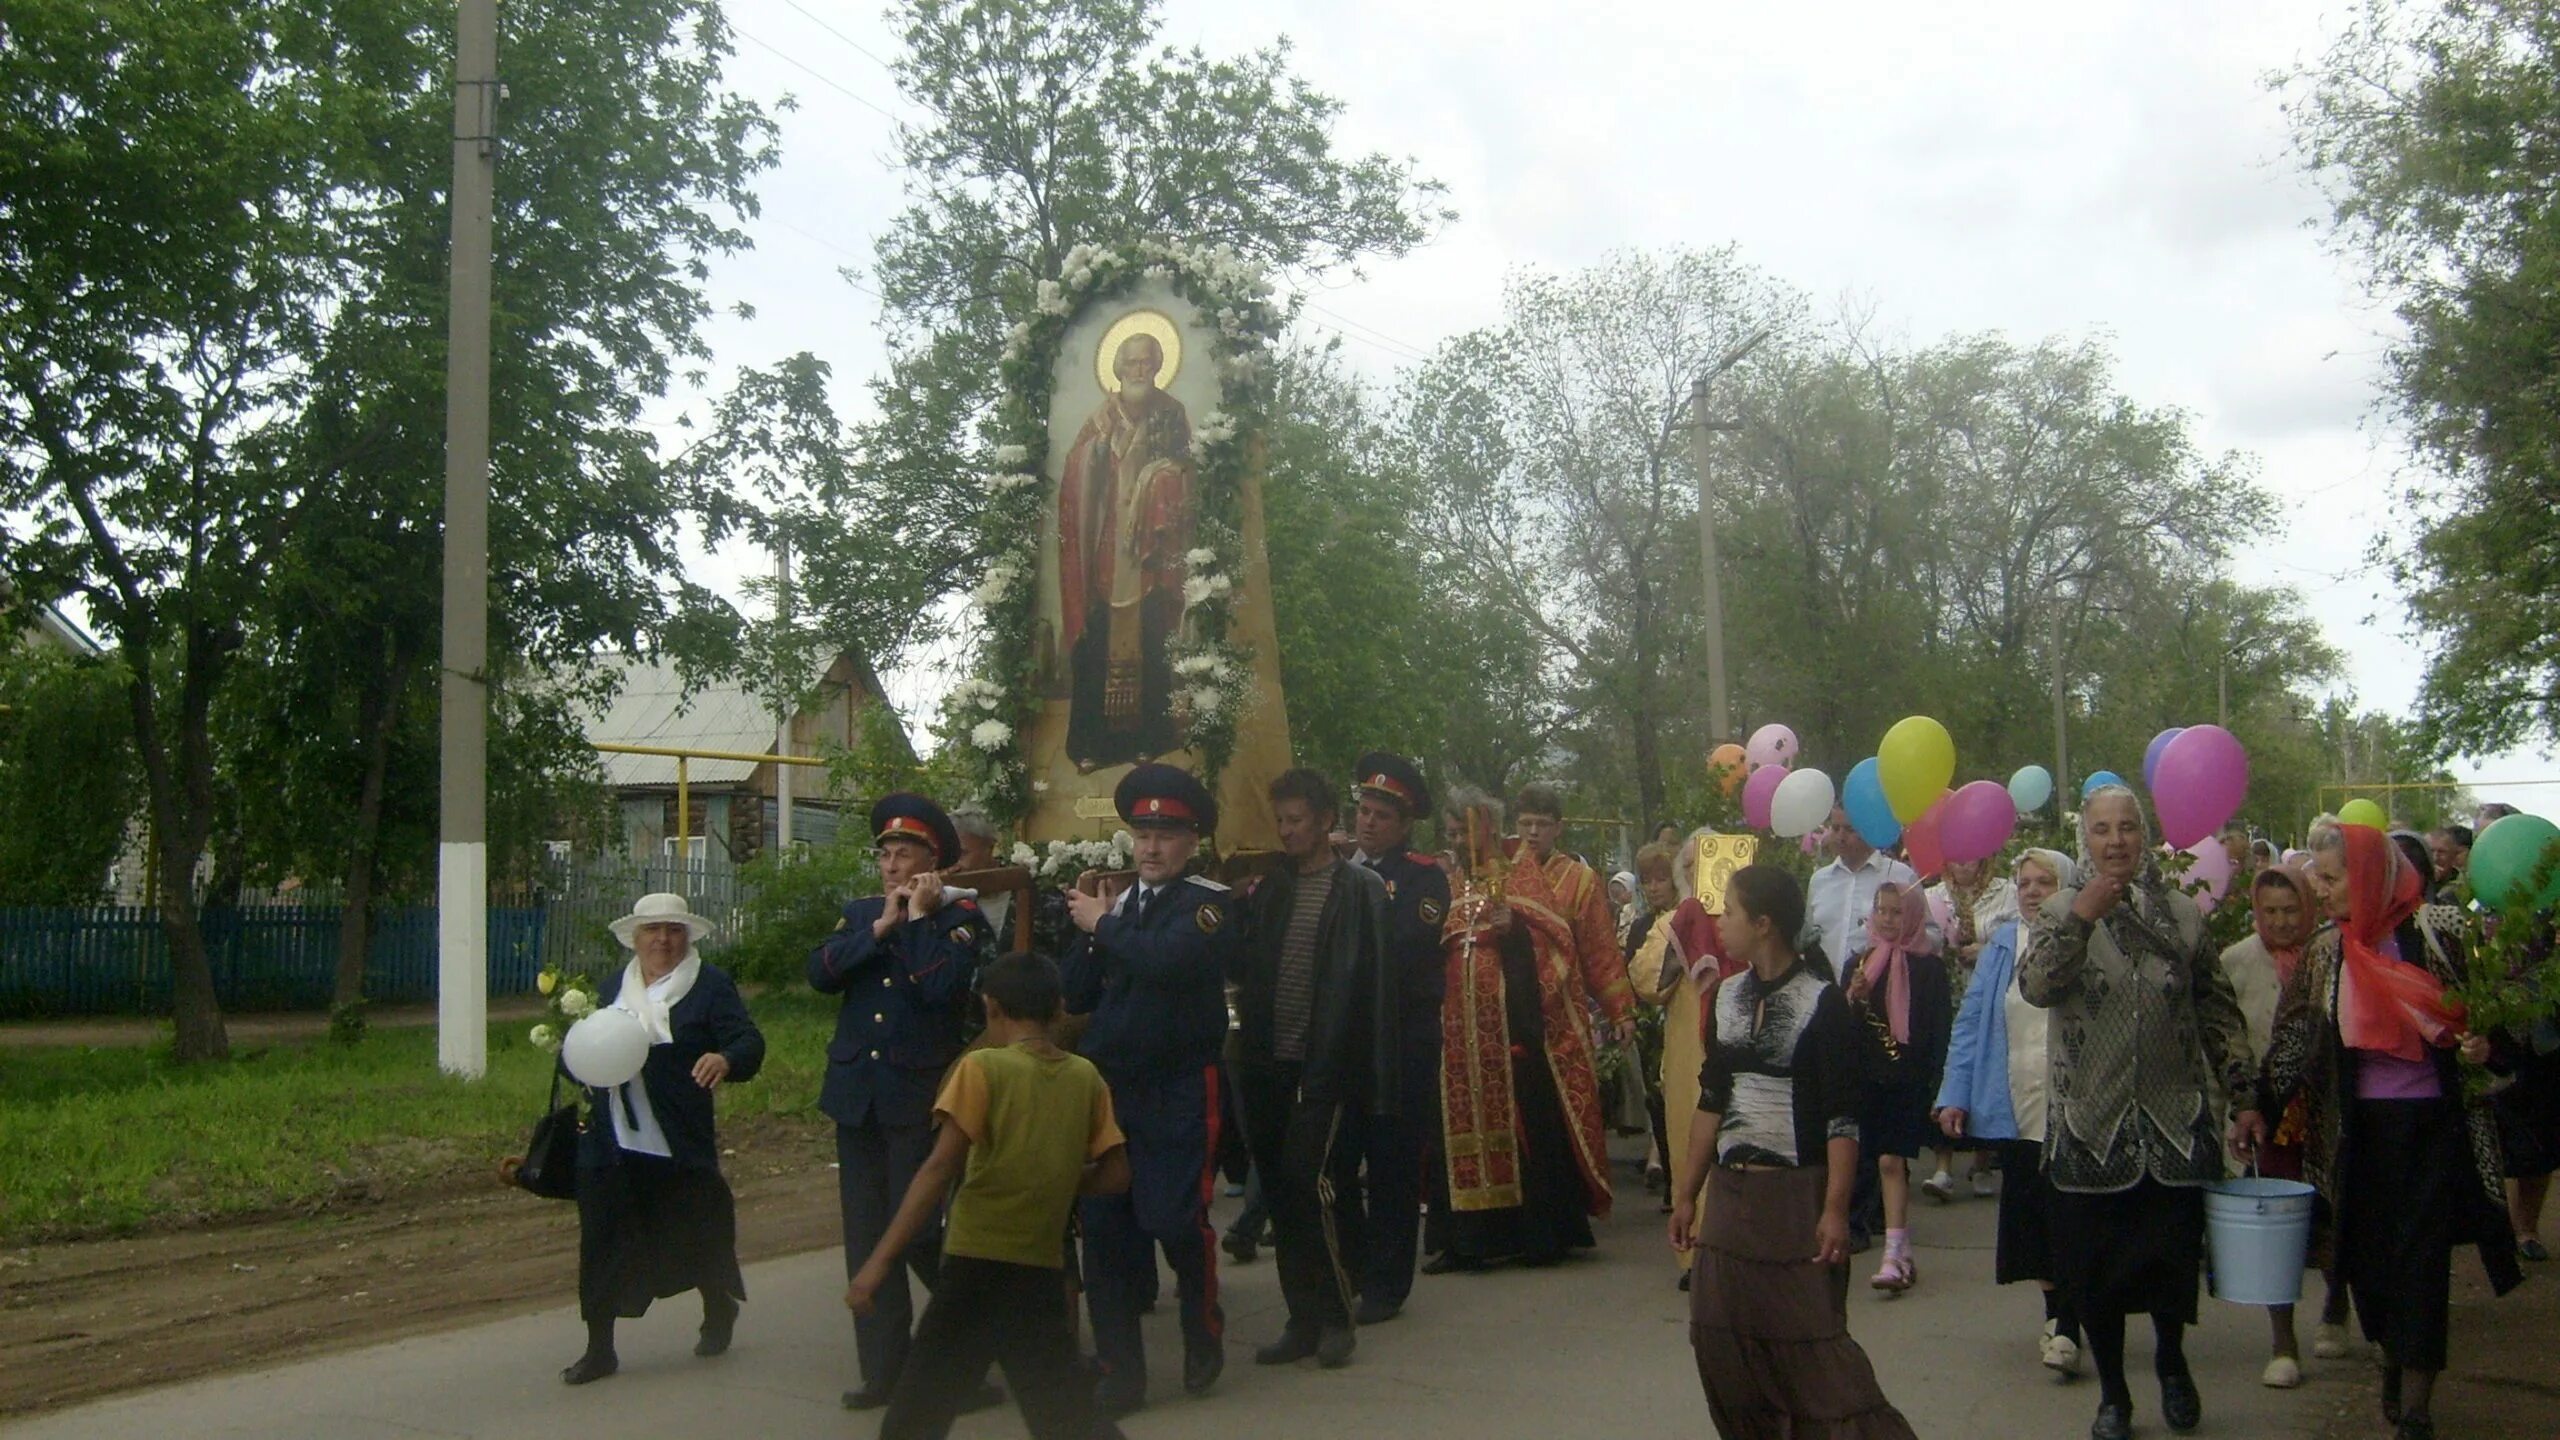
<point>1777,1119</point>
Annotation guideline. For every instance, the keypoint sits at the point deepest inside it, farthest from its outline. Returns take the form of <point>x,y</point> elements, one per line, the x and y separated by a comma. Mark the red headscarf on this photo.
<point>2384,1005</point>
<point>2288,956</point>
<point>1888,963</point>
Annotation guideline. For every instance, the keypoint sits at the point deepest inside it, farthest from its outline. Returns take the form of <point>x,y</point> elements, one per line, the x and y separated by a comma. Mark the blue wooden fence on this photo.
<point>115,960</point>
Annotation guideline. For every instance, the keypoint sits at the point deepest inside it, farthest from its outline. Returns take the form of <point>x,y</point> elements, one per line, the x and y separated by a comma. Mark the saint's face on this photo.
<point>1139,359</point>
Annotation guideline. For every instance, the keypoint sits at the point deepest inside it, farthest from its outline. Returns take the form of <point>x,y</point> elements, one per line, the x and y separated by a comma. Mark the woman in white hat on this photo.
<point>654,1217</point>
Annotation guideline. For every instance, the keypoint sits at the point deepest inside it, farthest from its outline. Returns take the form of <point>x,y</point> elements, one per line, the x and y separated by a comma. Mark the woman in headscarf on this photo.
<point>1645,933</point>
<point>1994,1091</point>
<point>1970,903</point>
<point>655,1218</point>
<point>2282,916</point>
<point>2409,1166</point>
<point>2139,1008</point>
<point>1899,989</point>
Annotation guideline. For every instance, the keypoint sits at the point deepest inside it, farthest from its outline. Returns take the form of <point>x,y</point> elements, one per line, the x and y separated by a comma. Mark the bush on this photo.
<point>789,903</point>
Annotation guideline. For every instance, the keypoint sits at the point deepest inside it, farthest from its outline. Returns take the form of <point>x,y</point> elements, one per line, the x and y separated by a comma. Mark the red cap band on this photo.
<point>1157,807</point>
<point>910,826</point>
<point>1389,785</point>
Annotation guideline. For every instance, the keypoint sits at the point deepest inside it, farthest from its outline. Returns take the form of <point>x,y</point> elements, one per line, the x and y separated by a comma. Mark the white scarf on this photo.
<point>652,1009</point>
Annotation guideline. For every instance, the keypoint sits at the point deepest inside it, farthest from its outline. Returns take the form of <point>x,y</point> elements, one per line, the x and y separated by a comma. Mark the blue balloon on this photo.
<point>2030,788</point>
<point>1870,814</point>
<point>2090,786</point>
<point>2151,753</point>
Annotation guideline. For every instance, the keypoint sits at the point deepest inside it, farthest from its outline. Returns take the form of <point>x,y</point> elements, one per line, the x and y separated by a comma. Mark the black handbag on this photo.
<point>550,1164</point>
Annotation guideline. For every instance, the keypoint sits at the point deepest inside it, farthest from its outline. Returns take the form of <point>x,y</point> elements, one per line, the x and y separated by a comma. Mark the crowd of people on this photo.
<point>1400,1055</point>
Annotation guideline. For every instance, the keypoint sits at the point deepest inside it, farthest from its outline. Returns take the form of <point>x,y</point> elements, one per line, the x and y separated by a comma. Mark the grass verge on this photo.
<point>102,1141</point>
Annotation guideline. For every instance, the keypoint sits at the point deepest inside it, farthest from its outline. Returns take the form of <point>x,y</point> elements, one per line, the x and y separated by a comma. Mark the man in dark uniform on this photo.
<point>1390,795</point>
<point>1316,1050</point>
<point>903,960</point>
<point>1150,967</point>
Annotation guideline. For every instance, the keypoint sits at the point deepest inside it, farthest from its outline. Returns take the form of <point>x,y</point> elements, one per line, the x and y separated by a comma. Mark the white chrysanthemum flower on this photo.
<point>544,1037</point>
<point>576,1003</point>
<point>990,734</point>
<point>1200,557</point>
<point>1206,702</point>
<point>1048,299</point>
<point>1010,455</point>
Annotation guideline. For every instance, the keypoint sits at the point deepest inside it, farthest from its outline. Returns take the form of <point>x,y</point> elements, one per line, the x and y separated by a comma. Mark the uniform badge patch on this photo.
<point>1210,918</point>
<point>1431,911</point>
<point>961,935</point>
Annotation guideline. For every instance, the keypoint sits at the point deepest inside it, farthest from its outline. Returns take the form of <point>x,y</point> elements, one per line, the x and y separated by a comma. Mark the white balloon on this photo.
<point>605,1049</point>
<point>1803,802</point>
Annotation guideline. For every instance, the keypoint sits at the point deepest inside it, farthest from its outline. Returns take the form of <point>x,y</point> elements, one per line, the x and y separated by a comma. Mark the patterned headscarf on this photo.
<point>2145,921</point>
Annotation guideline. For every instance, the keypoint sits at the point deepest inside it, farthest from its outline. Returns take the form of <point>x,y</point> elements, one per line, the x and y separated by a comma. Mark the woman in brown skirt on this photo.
<point>1775,1143</point>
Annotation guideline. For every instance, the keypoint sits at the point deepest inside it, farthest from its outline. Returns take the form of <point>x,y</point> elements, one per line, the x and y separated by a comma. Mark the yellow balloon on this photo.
<point>1915,762</point>
<point>2363,812</point>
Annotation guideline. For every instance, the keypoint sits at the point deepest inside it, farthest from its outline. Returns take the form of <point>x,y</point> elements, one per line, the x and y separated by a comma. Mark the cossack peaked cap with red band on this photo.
<point>1166,795</point>
<point>906,815</point>
<point>1392,777</point>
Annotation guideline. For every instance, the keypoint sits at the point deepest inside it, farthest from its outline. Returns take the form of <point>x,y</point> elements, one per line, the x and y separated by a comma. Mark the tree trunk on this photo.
<point>355,921</point>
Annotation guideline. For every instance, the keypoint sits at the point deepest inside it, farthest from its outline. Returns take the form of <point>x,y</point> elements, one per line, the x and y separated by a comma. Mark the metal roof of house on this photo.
<point>651,708</point>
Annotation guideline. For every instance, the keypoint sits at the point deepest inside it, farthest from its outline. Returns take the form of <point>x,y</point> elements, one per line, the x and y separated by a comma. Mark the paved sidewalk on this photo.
<point>1593,1349</point>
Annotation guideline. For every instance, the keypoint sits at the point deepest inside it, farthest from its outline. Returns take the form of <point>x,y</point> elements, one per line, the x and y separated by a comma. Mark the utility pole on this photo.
<point>1703,426</point>
<point>782,730</point>
<point>462,854</point>
<point>2061,744</point>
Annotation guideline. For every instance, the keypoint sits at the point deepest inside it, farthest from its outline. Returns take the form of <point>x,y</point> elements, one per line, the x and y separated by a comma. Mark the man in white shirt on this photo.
<point>1842,892</point>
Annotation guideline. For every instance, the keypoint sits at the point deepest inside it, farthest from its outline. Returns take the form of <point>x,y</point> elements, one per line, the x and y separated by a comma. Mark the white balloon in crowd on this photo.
<point>605,1049</point>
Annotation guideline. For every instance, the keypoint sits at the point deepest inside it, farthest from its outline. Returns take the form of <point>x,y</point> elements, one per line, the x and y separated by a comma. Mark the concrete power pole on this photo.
<point>782,730</point>
<point>462,856</point>
<point>2061,743</point>
<point>1703,426</point>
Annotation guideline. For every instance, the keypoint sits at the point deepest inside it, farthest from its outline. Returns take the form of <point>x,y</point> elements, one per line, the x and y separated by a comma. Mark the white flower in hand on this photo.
<point>576,1003</point>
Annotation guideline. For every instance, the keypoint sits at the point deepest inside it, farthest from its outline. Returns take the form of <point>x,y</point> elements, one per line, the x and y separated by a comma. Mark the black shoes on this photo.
<point>2414,1427</point>
<point>869,1397</point>
<point>1292,1347</point>
<point>2114,1422</point>
<point>1112,1400</point>
<point>591,1366</point>
<point>718,1325</point>
<point>2391,1393</point>
<point>1203,1361</point>
<point>1334,1346</point>
<point>1240,1248</point>
<point>1377,1312</point>
<point>2180,1405</point>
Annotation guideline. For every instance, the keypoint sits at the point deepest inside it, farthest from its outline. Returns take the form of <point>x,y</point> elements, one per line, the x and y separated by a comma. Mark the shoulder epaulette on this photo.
<point>1205,883</point>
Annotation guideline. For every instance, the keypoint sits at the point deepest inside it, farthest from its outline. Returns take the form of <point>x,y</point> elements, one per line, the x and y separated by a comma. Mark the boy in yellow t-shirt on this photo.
<point>1026,1128</point>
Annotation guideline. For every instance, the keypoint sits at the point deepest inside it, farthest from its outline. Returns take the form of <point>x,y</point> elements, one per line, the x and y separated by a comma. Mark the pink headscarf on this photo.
<point>1888,965</point>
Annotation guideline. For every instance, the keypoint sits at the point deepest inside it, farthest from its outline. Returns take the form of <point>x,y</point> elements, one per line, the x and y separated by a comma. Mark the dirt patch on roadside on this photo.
<point>83,1319</point>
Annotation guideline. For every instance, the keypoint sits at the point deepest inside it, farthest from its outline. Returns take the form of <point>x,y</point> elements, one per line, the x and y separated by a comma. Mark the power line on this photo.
<point>823,77</point>
<point>856,45</point>
<point>1379,337</point>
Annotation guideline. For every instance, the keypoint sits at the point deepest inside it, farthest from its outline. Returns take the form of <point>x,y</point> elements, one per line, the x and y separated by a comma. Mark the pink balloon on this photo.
<point>1925,840</point>
<point>1980,819</point>
<point>1771,745</point>
<point>2212,869</point>
<point>1811,844</point>
<point>1757,792</point>
<point>2202,778</point>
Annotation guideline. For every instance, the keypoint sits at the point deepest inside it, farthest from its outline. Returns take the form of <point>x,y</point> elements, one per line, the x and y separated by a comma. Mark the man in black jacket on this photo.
<point>1316,1006</point>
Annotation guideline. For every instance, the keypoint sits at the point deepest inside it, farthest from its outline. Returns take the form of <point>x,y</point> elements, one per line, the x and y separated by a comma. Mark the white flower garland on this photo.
<point>987,715</point>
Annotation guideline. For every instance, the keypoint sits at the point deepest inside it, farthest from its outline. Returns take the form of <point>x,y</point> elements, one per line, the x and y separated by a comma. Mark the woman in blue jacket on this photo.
<point>1994,1091</point>
<point>655,1218</point>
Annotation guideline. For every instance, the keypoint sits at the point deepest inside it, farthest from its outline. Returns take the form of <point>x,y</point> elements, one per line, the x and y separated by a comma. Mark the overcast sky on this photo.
<point>2102,169</point>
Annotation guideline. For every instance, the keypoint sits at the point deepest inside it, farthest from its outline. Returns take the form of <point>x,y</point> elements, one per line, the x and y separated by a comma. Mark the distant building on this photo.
<point>735,815</point>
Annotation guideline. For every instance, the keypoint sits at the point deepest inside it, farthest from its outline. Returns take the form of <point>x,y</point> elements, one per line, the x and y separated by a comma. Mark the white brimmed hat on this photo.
<point>659,909</point>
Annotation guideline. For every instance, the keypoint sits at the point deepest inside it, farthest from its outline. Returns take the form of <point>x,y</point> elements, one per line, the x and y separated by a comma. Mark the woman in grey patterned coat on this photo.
<point>2139,1004</point>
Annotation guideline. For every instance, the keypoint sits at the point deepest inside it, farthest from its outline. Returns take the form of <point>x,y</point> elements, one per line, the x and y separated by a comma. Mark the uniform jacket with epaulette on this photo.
<point>901,1020</point>
<point>1156,988</point>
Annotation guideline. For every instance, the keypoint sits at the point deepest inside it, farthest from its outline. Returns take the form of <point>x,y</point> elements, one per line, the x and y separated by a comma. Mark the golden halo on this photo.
<point>1167,335</point>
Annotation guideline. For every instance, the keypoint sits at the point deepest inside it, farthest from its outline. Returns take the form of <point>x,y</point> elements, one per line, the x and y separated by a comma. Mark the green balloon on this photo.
<point>2363,812</point>
<point>2504,857</point>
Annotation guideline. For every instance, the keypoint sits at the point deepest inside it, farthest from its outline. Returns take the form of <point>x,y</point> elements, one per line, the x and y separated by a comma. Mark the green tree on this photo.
<point>2435,131</point>
<point>1048,124</point>
<point>67,775</point>
<point>223,316</point>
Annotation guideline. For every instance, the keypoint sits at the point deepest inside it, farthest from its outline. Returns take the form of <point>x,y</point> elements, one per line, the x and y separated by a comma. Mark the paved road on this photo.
<point>1597,1348</point>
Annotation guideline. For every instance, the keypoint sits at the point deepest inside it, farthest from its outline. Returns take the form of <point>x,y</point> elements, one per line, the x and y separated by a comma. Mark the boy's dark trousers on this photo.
<point>1012,1315</point>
